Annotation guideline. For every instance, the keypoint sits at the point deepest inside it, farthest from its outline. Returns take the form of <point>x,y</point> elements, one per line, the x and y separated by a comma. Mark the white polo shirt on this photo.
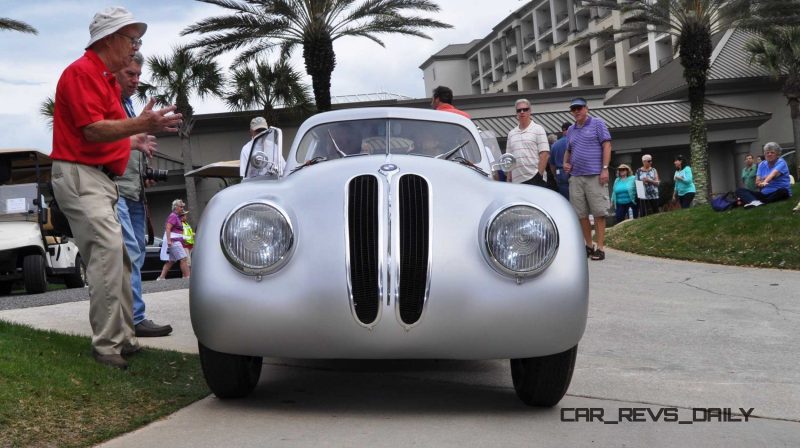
<point>525,145</point>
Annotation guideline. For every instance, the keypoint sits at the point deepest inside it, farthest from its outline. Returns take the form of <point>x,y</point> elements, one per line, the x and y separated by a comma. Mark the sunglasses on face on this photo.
<point>524,109</point>
<point>574,108</point>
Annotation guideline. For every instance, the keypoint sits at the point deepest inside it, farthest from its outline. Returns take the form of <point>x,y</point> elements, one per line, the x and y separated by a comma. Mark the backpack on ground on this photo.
<point>724,201</point>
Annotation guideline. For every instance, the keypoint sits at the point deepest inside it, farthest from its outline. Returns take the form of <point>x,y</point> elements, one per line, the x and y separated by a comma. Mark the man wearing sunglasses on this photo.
<point>586,160</point>
<point>528,144</point>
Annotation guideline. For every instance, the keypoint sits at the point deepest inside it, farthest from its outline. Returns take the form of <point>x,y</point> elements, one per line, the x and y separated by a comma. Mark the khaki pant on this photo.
<point>87,198</point>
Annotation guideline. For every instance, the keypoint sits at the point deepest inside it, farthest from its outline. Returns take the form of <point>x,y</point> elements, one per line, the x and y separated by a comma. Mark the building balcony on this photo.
<point>639,74</point>
<point>664,61</point>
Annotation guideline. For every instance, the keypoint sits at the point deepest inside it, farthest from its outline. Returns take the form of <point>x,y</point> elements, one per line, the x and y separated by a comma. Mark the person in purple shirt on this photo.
<point>586,160</point>
<point>772,180</point>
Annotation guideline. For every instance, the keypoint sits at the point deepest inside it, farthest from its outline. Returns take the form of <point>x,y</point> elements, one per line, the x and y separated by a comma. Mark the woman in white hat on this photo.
<point>623,195</point>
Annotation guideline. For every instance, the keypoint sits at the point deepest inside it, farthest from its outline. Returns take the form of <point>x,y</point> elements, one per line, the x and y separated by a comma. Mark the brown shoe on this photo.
<point>148,329</point>
<point>116,361</point>
<point>131,350</point>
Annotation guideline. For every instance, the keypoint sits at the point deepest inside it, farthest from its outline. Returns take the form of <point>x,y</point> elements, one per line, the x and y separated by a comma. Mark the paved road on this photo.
<point>661,334</point>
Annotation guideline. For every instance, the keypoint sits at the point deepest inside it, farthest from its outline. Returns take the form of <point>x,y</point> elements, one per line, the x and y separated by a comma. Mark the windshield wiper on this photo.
<point>449,154</point>
<point>336,146</point>
<point>313,161</point>
<point>466,162</point>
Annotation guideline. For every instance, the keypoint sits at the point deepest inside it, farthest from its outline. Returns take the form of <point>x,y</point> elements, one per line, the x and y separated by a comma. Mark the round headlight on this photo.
<point>521,240</point>
<point>256,238</point>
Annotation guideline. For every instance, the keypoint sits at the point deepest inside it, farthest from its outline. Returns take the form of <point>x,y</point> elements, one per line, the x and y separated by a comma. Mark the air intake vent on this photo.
<point>362,219</point>
<point>414,258</point>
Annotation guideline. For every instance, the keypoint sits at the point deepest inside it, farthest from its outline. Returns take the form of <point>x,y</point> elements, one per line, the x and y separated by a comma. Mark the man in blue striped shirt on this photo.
<point>586,160</point>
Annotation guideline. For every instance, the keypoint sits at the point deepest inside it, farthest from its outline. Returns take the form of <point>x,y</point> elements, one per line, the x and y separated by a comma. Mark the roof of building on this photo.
<point>630,117</point>
<point>452,51</point>
<point>364,97</point>
<point>729,61</point>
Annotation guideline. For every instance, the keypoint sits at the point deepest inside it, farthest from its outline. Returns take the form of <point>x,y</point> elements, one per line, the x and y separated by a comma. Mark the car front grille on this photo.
<point>362,217</point>
<point>367,250</point>
<point>414,231</point>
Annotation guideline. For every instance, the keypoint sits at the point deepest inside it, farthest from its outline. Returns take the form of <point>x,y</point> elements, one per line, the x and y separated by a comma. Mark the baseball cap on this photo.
<point>258,123</point>
<point>111,20</point>
<point>577,102</point>
<point>647,157</point>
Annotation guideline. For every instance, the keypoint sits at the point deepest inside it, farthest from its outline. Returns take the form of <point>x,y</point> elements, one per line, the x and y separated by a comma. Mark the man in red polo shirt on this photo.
<point>443,100</point>
<point>92,140</point>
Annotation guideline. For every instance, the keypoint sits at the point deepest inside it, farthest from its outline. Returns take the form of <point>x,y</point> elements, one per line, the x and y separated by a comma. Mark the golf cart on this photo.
<point>34,244</point>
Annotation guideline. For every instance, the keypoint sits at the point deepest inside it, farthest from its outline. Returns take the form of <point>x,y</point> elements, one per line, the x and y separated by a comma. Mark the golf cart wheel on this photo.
<point>229,376</point>
<point>34,274</point>
<point>6,287</point>
<point>543,381</point>
<point>78,278</point>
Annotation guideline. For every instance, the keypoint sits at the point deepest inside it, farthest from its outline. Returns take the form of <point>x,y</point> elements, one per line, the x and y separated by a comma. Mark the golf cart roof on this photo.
<point>227,168</point>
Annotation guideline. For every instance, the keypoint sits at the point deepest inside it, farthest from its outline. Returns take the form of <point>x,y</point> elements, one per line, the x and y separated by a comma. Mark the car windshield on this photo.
<point>365,137</point>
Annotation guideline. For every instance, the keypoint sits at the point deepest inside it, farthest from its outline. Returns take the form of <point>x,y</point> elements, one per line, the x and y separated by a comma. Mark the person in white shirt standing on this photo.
<point>528,143</point>
<point>260,141</point>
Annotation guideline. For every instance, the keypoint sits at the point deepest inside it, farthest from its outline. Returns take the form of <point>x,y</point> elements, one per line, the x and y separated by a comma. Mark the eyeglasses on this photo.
<point>524,109</point>
<point>135,42</point>
<point>574,108</point>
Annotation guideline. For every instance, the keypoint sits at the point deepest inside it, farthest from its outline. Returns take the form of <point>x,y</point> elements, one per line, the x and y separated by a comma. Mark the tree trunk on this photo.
<point>695,53</point>
<point>186,154</point>
<point>320,61</point>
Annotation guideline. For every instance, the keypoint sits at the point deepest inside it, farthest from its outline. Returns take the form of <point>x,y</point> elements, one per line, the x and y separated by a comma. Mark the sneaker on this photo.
<point>796,208</point>
<point>752,204</point>
<point>115,361</point>
<point>158,279</point>
<point>148,329</point>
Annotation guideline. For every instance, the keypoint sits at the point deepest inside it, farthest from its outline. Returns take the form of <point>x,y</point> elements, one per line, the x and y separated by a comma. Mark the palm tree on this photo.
<point>47,108</point>
<point>174,79</point>
<point>261,25</point>
<point>778,51</point>
<point>268,86</point>
<point>693,22</point>
<point>16,25</point>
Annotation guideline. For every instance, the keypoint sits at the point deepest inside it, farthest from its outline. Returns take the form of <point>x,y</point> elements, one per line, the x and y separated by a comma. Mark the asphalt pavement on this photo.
<point>714,346</point>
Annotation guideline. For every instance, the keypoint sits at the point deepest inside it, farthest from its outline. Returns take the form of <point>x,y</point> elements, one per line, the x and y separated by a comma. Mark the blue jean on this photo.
<point>132,218</point>
<point>562,180</point>
<point>621,211</point>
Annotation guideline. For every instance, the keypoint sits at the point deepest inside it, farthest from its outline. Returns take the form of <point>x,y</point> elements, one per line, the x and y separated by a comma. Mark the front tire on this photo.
<point>34,274</point>
<point>543,381</point>
<point>229,376</point>
<point>78,279</point>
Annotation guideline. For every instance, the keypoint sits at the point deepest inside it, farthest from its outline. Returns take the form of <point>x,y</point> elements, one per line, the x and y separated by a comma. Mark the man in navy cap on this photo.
<point>586,160</point>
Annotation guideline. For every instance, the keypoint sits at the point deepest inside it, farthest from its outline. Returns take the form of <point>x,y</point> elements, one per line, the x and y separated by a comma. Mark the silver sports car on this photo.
<point>385,236</point>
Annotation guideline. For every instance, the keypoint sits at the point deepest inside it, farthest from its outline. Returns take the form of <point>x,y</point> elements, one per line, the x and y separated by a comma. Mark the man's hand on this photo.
<point>162,120</point>
<point>567,167</point>
<point>144,143</point>
<point>604,176</point>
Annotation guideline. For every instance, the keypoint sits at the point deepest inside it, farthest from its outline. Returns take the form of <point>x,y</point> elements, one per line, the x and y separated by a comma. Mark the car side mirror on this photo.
<point>506,163</point>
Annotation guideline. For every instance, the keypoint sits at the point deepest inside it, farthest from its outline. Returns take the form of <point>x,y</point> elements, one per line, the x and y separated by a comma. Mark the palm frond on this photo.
<point>16,25</point>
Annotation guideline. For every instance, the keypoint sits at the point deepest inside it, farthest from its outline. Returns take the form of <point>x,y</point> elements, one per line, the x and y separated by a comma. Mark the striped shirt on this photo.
<point>586,146</point>
<point>525,145</point>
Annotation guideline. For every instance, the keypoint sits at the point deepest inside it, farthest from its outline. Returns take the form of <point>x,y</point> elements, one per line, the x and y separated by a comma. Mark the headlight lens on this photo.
<point>257,238</point>
<point>521,240</point>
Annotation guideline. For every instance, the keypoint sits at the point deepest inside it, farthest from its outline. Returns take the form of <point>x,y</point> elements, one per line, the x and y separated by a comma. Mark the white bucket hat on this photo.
<point>111,20</point>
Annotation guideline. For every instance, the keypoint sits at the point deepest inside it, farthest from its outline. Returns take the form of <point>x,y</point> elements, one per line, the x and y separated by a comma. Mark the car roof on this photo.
<point>365,113</point>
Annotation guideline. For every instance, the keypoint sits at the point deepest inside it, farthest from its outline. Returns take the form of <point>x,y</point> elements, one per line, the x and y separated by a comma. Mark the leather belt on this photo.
<point>107,172</point>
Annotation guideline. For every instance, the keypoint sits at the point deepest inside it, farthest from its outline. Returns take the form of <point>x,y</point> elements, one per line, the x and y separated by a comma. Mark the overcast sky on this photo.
<point>30,65</point>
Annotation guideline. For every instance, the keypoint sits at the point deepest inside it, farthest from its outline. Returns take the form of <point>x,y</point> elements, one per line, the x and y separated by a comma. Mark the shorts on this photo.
<point>176,252</point>
<point>588,197</point>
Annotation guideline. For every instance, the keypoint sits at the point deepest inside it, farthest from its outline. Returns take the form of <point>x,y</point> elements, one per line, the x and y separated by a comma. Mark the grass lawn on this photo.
<point>767,236</point>
<point>52,393</point>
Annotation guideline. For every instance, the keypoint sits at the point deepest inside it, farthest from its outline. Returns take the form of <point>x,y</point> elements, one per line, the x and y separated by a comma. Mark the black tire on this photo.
<point>34,274</point>
<point>544,380</point>
<point>229,376</point>
<point>6,287</point>
<point>78,279</point>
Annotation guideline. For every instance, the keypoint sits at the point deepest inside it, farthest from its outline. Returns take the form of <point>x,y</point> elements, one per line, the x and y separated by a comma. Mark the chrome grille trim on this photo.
<point>365,254</point>
<point>413,241</point>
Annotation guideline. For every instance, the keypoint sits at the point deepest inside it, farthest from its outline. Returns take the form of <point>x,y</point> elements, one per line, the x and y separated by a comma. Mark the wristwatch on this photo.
<point>605,167</point>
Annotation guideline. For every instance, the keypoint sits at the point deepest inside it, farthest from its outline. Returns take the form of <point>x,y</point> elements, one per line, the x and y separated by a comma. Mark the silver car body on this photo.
<point>471,309</point>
